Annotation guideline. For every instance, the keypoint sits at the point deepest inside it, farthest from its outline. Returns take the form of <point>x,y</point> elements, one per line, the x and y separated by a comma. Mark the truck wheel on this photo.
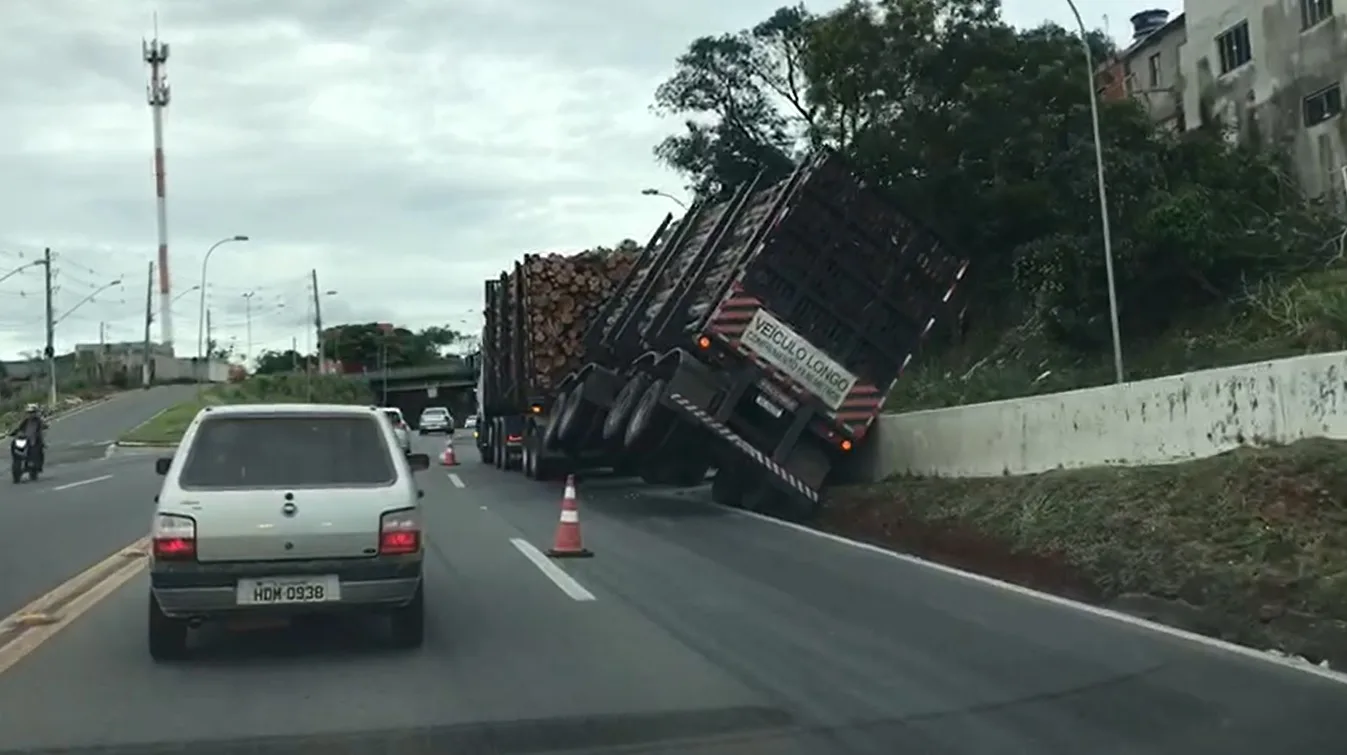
<point>552,438</point>
<point>615,424</point>
<point>497,446</point>
<point>727,488</point>
<point>571,420</point>
<point>648,419</point>
<point>528,459</point>
<point>765,499</point>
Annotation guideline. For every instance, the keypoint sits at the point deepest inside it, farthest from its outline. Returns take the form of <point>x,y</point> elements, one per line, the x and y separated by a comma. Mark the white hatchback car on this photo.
<point>278,510</point>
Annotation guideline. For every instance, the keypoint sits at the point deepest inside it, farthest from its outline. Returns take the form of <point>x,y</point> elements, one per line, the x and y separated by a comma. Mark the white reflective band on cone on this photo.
<point>570,517</point>
<point>569,494</point>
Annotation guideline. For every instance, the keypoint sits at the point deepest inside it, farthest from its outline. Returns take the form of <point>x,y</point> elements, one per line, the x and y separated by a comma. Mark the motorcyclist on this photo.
<point>31,426</point>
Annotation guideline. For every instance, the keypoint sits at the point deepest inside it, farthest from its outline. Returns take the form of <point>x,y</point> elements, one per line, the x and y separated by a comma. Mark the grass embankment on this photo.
<point>167,427</point>
<point>1269,321</point>
<point>1250,546</point>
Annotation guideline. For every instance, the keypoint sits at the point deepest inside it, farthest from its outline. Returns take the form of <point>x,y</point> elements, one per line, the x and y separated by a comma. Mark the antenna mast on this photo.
<point>156,55</point>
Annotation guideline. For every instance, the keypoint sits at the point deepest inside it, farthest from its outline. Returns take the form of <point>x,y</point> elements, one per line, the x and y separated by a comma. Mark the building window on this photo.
<point>1312,12</point>
<point>1234,47</point>
<point>1155,71</point>
<point>1322,105</point>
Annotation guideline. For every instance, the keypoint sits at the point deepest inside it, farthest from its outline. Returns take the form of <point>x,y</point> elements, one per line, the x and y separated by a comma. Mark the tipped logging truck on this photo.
<point>758,336</point>
<point>532,344</point>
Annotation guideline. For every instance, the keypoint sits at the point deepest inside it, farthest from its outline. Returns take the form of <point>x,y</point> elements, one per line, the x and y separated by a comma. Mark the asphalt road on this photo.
<point>53,528</point>
<point>698,631</point>
<point>87,432</point>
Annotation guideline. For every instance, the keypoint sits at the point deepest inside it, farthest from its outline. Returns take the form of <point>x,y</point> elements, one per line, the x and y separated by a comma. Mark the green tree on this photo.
<point>280,362</point>
<point>365,345</point>
<point>735,81</point>
<point>983,132</point>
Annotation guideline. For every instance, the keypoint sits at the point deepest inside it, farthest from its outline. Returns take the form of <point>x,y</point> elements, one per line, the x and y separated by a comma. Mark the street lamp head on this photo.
<point>650,192</point>
<point>240,238</point>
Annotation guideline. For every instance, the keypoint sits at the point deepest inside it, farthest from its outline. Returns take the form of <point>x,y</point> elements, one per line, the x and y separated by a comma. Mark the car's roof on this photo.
<point>392,409</point>
<point>256,410</point>
<point>434,409</point>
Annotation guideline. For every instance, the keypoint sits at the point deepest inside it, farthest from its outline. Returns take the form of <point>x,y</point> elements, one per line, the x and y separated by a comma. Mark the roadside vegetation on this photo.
<point>167,428</point>
<point>982,131</point>
<point>1250,546</point>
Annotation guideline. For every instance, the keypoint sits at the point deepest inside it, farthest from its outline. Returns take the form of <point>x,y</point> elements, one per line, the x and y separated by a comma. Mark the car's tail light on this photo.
<point>174,538</point>
<point>399,533</point>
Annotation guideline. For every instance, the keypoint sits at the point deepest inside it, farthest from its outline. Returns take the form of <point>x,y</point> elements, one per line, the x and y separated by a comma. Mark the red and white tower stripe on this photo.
<point>156,55</point>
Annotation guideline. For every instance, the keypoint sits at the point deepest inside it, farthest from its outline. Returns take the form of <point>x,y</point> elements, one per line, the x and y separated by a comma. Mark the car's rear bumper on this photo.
<point>210,590</point>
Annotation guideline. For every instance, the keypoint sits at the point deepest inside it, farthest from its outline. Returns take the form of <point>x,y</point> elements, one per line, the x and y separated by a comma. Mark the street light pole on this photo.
<point>658,193</point>
<point>1103,197</point>
<point>201,309</point>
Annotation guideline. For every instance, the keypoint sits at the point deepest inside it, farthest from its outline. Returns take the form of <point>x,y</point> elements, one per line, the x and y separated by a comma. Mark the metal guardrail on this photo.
<point>454,372</point>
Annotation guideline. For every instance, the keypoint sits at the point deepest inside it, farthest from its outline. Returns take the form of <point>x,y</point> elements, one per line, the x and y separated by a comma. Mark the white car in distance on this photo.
<point>271,511</point>
<point>435,419</point>
<point>400,429</point>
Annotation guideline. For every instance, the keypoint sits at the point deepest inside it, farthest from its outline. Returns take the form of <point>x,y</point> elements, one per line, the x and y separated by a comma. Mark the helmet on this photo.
<point>32,408</point>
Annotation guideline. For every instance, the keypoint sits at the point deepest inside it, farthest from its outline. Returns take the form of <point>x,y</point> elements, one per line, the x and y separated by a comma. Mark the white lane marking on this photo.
<point>1057,600</point>
<point>574,590</point>
<point>458,481</point>
<point>89,481</point>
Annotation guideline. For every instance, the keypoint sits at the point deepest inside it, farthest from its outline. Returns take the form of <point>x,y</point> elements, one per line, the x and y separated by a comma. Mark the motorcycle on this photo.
<point>23,459</point>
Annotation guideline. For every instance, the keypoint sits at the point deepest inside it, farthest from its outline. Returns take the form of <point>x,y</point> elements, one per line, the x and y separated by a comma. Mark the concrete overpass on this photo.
<point>411,389</point>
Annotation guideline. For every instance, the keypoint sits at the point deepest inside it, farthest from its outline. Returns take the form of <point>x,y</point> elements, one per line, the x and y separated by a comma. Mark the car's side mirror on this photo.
<point>162,464</point>
<point>418,462</point>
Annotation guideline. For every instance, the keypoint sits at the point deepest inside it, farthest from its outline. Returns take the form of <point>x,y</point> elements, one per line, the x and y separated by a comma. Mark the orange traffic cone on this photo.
<point>567,543</point>
<point>448,458</point>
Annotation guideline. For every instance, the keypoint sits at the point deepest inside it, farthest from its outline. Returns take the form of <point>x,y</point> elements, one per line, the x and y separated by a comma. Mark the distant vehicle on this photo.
<point>435,419</point>
<point>400,429</point>
<point>470,423</point>
<point>278,510</point>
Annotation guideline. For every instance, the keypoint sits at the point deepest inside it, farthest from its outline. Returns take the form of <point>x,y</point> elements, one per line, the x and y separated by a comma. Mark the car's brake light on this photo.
<point>174,538</point>
<point>399,533</point>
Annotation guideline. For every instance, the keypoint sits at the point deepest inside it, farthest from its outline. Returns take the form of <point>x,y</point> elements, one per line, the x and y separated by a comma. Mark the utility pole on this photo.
<point>210,345</point>
<point>51,331</point>
<point>102,350</point>
<point>294,354</point>
<point>248,320</point>
<point>317,316</point>
<point>149,318</point>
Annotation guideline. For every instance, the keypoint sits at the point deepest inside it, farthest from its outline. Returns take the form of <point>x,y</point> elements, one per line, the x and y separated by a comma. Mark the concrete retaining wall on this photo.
<point>1163,420</point>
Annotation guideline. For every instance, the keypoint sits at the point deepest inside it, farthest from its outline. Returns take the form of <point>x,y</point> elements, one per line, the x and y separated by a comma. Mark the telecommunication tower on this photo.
<point>156,55</point>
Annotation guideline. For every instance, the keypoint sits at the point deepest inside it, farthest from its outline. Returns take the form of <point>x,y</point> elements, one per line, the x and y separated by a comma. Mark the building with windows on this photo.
<point>1273,71</point>
<point>1149,68</point>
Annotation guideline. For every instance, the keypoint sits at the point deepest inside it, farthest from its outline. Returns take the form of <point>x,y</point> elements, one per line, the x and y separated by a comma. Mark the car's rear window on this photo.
<point>393,414</point>
<point>288,452</point>
<point>434,413</point>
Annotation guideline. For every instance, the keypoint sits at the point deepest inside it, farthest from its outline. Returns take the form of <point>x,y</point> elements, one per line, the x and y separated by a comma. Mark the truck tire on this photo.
<point>615,424</point>
<point>649,420</point>
<point>765,499</point>
<point>727,487</point>
<point>498,445</point>
<point>569,423</point>
<point>552,439</point>
<point>528,457</point>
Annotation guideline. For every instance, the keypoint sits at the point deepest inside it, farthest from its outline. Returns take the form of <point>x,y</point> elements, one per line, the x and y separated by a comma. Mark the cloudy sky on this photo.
<point>405,149</point>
